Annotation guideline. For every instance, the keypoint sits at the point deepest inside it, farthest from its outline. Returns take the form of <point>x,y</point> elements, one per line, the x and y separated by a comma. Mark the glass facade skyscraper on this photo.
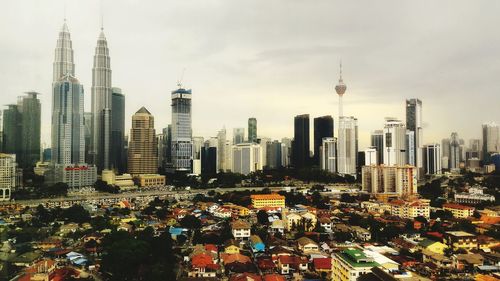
<point>323,128</point>
<point>182,143</point>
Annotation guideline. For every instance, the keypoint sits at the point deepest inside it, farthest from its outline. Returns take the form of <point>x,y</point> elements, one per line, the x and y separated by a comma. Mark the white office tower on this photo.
<point>221,150</point>
<point>182,142</point>
<point>397,180</point>
<point>101,105</point>
<point>197,145</point>
<point>263,147</point>
<point>445,154</point>
<point>63,60</point>
<point>410,148</point>
<point>347,148</point>
<point>286,151</point>
<point>328,155</point>
<point>247,158</point>
<point>394,142</point>
<point>455,152</point>
<point>238,135</point>
<point>414,124</point>
<point>491,142</point>
<point>432,159</point>
<point>371,156</point>
<point>7,175</point>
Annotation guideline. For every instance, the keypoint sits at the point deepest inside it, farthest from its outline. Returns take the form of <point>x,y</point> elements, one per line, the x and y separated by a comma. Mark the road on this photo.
<point>124,196</point>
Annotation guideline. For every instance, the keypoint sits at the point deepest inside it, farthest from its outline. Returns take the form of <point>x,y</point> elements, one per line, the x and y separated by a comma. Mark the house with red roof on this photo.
<point>323,265</point>
<point>290,264</point>
<point>203,265</point>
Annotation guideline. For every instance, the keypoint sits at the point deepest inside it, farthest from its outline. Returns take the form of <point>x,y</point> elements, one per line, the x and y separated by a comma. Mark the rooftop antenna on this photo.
<point>179,82</point>
<point>65,10</point>
<point>102,16</point>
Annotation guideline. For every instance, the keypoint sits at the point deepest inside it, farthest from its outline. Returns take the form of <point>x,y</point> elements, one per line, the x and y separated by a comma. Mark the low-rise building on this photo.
<point>268,200</point>
<point>240,230</point>
<point>306,245</point>
<point>362,233</point>
<point>75,175</point>
<point>150,180</point>
<point>351,263</point>
<point>459,211</point>
<point>461,240</point>
<point>410,209</point>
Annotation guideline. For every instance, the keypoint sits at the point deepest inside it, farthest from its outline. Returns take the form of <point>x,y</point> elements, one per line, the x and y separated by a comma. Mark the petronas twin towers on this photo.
<point>68,140</point>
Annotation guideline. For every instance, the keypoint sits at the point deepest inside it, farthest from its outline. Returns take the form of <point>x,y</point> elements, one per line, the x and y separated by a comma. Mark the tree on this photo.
<point>347,198</point>
<point>190,222</point>
<point>262,217</point>
<point>77,214</point>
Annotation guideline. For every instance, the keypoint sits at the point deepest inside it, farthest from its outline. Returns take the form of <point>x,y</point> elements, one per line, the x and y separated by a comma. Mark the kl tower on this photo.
<point>340,89</point>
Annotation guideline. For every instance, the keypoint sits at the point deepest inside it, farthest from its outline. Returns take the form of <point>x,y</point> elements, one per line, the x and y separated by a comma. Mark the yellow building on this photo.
<point>459,211</point>
<point>410,209</point>
<point>432,246</point>
<point>268,200</point>
<point>351,263</point>
<point>237,210</point>
<point>148,180</point>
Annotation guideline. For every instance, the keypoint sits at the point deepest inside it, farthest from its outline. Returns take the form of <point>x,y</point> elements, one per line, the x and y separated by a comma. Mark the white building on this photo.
<point>247,158</point>
<point>432,159</point>
<point>182,143</point>
<point>328,155</point>
<point>347,145</point>
<point>371,156</point>
<point>7,175</point>
<point>75,176</point>
<point>394,142</point>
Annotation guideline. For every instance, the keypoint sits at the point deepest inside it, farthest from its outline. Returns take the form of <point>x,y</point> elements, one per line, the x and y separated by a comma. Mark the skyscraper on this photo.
<point>238,135</point>
<point>323,128</point>
<point>252,129</point>
<point>371,156</point>
<point>273,154</point>
<point>221,149</point>
<point>63,59</point>
<point>182,144</point>
<point>7,175</point>
<point>30,110</point>
<point>445,154</point>
<point>143,146</point>
<point>455,152</point>
<point>394,142</point>
<point>87,122</point>
<point>101,105</point>
<point>286,151</point>
<point>377,141</point>
<point>328,154</point>
<point>247,158</point>
<point>68,133</point>
<point>118,130</point>
<point>300,150</point>
<point>208,158</point>
<point>414,124</point>
<point>432,159</point>
<point>490,140</point>
<point>12,124</point>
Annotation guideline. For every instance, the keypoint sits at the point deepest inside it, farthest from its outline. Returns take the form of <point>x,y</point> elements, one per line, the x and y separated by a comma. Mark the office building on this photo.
<point>198,143</point>
<point>414,124</point>
<point>238,135</point>
<point>350,264</point>
<point>12,130</point>
<point>117,156</point>
<point>87,125</point>
<point>397,180</point>
<point>272,200</point>
<point>142,151</point>
<point>410,148</point>
<point>394,142</point>
<point>68,132</point>
<point>300,149</point>
<point>182,144</point>
<point>209,158</point>
<point>432,159</point>
<point>328,154</point>
<point>252,129</point>
<point>247,158</point>
<point>455,152</point>
<point>30,109</point>
<point>8,167</point>
<point>221,150</point>
<point>323,128</point>
<point>273,155</point>
<point>101,105</point>
<point>491,142</point>
<point>286,152</point>
<point>377,141</point>
<point>347,145</point>
<point>263,148</point>
<point>445,152</point>
<point>74,175</point>
<point>371,156</point>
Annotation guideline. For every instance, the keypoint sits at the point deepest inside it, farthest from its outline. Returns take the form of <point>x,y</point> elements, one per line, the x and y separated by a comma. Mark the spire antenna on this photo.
<point>102,16</point>
<point>65,11</point>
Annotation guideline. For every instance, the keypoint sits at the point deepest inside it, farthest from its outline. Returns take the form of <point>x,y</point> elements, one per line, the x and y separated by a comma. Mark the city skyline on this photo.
<point>236,80</point>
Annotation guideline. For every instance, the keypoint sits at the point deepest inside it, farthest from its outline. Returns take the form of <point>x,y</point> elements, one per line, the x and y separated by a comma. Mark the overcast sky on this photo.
<point>270,59</point>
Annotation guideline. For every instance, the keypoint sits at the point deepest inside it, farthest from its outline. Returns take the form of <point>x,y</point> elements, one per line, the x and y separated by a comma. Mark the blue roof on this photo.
<point>175,230</point>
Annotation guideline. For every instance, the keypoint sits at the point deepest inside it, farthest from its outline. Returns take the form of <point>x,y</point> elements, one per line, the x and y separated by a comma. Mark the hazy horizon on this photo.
<point>270,60</point>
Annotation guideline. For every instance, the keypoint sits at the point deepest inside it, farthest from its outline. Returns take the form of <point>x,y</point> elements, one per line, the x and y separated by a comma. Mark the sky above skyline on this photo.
<point>270,59</point>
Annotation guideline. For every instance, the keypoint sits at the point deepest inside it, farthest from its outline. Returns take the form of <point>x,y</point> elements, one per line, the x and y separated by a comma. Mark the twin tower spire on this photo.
<point>100,142</point>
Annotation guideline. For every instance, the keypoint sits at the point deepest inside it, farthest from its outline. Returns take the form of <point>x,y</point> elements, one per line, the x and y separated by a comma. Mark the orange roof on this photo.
<point>267,196</point>
<point>274,277</point>
<point>481,277</point>
<point>202,260</point>
<point>239,224</point>
<point>230,258</point>
<point>457,206</point>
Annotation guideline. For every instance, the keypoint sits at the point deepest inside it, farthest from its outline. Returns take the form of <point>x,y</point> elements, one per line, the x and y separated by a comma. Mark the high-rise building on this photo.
<point>198,144</point>
<point>286,152</point>
<point>229,155</point>
<point>252,129</point>
<point>7,175</point>
<point>273,154</point>
<point>410,148</point>
<point>394,142</point>
<point>142,151</point>
<point>397,180</point>
<point>347,145</point>
<point>377,141</point>
<point>209,158</point>
<point>247,158</point>
<point>63,59</point>
<point>328,154</point>
<point>300,150</point>
<point>445,154</point>
<point>68,132</point>
<point>30,108</point>
<point>182,143</point>
<point>221,150</point>
<point>323,128</point>
<point>432,159</point>
<point>414,124</point>
<point>238,135</point>
<point>118,157</point>
<point>371,156</point>
<point>167,132</point>
<point>101,105</point>
<point>474,150</point>
<point>263,148</point>
<point>491,142</point>
<point>87,123</point>
<point>455,152</point>
<point>12,130</point>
